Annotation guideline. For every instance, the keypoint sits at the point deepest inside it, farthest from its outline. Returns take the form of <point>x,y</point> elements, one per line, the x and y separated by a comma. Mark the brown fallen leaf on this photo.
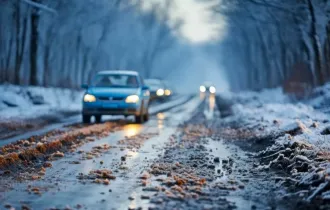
<point>106,182</point>
<point>58,154</point>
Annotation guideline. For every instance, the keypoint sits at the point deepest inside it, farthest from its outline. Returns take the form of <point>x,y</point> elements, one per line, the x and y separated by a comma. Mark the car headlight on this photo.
<point>202,89</point>
<point>147,93</point>
<point>168,92</point>
<point>132,99</point>
<point>160,92</point>
<point>212,89</point>
<point>89,98</point>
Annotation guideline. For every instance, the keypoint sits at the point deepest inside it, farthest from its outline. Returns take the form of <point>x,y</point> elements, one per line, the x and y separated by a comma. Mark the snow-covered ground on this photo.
<point>299,135</point>
<point>33,102</point>
<point>273,110</point>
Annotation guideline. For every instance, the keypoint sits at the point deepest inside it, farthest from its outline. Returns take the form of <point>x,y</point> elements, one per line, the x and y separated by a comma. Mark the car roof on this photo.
<point>126,72</point>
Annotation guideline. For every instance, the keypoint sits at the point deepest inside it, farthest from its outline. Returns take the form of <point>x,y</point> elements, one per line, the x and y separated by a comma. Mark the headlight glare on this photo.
<point>168,92</point>
<point>132,99</point>
<point>160,92</point>
<point>89,98</point>
<point>202,89</point>
<point>212,89</point>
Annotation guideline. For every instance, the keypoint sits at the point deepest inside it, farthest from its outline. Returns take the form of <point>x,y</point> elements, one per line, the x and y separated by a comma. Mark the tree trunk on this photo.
<point>46,65</point>
<point>318,66</point>
<point>327,53</point>
<point>18,43</point>
<point>34,46</point>
<point>8,59</point>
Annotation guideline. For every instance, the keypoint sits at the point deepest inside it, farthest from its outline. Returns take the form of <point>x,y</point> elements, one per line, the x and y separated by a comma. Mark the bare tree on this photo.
<point>282,35</point>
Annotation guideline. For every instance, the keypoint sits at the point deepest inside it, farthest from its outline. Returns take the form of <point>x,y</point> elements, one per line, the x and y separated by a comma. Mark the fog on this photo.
<point>198,22</point>
<point>237,45</point>
<point>198,27</point>
<point>198,69</point>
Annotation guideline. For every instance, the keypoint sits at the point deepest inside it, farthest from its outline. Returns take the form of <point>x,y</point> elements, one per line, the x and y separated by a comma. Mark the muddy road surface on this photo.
<point>180,159</point>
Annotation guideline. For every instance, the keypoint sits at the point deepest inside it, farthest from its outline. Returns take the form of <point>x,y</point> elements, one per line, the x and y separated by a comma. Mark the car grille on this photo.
<point>115,110</point>
<point>110,110</point>
<point>103,98</point>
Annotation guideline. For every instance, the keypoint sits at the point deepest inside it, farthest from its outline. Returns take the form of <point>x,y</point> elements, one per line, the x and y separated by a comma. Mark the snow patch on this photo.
<point>303,146</point>
<point>31,102</point>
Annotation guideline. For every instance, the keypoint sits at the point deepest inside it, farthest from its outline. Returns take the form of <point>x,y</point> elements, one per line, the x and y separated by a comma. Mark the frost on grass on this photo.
<point>299,143</point>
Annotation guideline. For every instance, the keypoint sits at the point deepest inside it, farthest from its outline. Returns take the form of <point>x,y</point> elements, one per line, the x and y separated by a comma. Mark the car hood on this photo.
<point>155,88</point>
<point>100,91</point>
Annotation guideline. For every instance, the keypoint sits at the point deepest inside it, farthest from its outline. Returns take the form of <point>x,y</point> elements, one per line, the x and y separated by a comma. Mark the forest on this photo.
<point>277,42</point>
<point>62,43</point>
<point>267,43</point>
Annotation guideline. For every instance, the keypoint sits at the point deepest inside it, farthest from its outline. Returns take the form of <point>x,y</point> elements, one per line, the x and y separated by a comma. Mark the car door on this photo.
<point>145,93</point>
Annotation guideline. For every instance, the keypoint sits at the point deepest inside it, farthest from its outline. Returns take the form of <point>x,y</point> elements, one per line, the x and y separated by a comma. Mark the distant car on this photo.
<point>157,88</point>
<point>207,87</point>
<point>116,93</point>
<point>168,89</point>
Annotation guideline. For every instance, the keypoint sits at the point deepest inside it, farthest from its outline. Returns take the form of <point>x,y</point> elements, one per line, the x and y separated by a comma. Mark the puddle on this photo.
<point>224,152</point>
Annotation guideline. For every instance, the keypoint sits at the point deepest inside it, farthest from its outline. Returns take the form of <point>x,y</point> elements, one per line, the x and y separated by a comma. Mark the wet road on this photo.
<point>177,143</point>
<point>60,187</point>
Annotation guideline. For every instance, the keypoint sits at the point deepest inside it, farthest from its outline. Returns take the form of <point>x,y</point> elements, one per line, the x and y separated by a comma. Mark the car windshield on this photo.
<point>207,84</point>
<point>116,80</point>
<point>152,82</point>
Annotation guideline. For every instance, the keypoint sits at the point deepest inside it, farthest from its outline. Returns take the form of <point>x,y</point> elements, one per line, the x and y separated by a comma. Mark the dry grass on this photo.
<point>38,148</point>
<point>53,146</point>
<point>30,154</point>
<point>9,159</point>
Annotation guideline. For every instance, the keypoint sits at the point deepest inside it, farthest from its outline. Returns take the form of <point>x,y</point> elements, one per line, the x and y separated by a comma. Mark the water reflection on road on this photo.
<point>66,189</point>
<point>160,120</point>
<point>132,129</point>
<point>209,108</point>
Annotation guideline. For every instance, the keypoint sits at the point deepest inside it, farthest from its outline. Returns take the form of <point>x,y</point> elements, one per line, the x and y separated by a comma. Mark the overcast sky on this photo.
<point>200,24</point>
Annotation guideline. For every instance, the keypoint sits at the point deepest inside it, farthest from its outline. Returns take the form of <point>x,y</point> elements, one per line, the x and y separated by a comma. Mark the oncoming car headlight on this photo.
<point>168,92</point>
<point>212,89</point>
<point>160,92</point>
<point>89,98</point>
<point>132,99</point>
<point>202,89</point>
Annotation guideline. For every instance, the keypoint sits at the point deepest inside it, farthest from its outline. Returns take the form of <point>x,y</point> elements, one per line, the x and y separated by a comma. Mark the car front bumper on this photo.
<point>154,96</point>
<point>98,108</point>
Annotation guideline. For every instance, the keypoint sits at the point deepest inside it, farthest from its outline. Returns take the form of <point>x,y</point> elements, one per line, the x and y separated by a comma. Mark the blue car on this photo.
<point>116,93</point>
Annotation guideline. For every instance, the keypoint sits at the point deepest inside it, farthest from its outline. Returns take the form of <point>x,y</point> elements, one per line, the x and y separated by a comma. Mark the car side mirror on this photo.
<point>145,88</point>
<point>84,86</point>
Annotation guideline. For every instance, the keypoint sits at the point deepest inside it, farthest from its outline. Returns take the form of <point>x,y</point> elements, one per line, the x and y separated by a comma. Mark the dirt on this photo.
<point>201,171</point>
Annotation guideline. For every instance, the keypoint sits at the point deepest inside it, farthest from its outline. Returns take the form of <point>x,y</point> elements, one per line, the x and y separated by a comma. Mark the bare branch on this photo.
<point>40,6</point>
